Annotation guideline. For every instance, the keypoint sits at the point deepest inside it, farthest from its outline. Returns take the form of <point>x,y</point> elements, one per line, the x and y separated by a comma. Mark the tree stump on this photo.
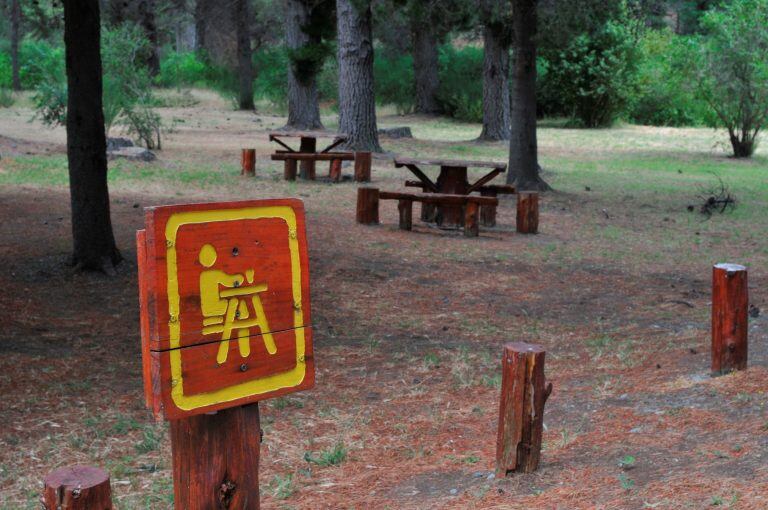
<point>289,171</point>
<point>405,208</point>
<point>730,304</point>
<point>77,488</point>
<point>248,162</point>
<point>363,166</point>
<point>528,212</point>
<point>471,217</point>
<point>521,414</point>
<point>335,170</point>
<point>307,167</point>
<point>228,477</point>
<point>488,212</point>
<point>368,205</point>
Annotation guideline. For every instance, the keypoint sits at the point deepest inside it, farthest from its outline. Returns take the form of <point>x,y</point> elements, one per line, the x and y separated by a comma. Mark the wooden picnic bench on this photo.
<point>452,179</point>
<point>487,212</point>
<point>368,206</point>
<point>307,155</point>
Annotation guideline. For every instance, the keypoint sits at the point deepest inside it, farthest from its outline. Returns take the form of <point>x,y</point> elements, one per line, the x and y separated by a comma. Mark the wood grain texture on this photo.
<point>367,205</point>
<point>471,219</point>
<point>307,166</point>
<point>400,162</point>
<point>363,166</point>
<point>248,162</point>
<point>334,171</point>
<point>405,211</point>
<point>730,304</point>
<point>488,212</point>
<point>225,305</point>
<point>438,198</point>
<point>216,460</point>
<point>312,156</point>
<point>521,410</point>
<point>290,169</point>
<point>527,212</point>
<point>77,488</point>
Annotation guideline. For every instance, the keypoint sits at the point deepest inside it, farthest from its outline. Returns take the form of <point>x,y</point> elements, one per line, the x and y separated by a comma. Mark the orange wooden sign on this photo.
<point>225,313</point>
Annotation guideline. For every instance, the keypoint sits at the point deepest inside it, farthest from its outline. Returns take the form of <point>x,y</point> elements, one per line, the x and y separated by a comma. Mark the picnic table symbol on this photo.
<point>224,302</point>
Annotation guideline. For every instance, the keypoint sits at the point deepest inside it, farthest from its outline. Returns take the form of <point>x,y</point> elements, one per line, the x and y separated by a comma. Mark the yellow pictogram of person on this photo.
<point>224,303</point>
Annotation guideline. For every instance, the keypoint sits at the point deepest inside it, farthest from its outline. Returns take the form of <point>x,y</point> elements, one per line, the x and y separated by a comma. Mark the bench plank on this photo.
<point>305,134</point>
<point>501,189</point>
<point>438,198</point>
<point>313,156</point>
<point>401,162</point>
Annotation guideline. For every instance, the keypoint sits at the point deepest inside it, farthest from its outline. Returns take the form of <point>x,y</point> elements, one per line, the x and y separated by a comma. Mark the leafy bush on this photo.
<point>394,81</point>
<point>733,70</point>
<point>182,69</point>
<point>665,95</point>
<point>594,75</point>
<point>6,73</point>
<point>271,83</point>
<point>461,82</point>
<point>40,62</point>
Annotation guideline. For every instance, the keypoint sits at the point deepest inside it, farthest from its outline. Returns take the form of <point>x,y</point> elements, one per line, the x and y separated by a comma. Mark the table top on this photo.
<point>306,134</point>
<point>451,162</point>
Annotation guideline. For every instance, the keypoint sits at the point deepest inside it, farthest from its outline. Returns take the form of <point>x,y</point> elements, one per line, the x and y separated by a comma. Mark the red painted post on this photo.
<point>363,166</point>
<point>521,412</point>
<point>368,205</point>
<point>77,488</point>
<point>730,303</point>
<point>335,170</point>
<point>527,212</point>
<point>248,162</point>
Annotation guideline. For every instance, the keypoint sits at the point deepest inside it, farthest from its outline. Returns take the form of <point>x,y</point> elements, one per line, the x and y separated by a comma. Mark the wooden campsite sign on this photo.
<point>225,312</point>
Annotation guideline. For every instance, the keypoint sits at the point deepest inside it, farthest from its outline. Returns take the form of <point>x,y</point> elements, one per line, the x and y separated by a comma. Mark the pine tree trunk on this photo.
<point>425,68</point>
<point>523,157</point>
<point>244,57</point>
<point>15,37</point>
<point>200,9</point>
<point>357,103</point>
<point>146,14</point>
<point>495,85</point>
<point>303,105</point>
<point>94,243</point>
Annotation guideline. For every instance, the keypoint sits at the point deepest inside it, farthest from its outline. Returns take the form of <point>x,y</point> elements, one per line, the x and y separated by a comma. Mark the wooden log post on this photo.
<point>488,212</point>
<point>335,171</point>
<point>216,460</point>
<point>471,219</point>
<point>405,208</point>
<point>289,171</point>
<point>521,414</point>
<point>368,205</point>
<point>77,488</point>
<point>307,167</point>
<point>730,303</point>
<point>528,212</point>
<point>363,166</point>
<point>248,162</point>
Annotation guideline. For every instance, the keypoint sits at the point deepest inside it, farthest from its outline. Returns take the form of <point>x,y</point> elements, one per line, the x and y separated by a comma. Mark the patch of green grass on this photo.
<point>282,487</point>
<point>150,440</point>
<point>330,457</point>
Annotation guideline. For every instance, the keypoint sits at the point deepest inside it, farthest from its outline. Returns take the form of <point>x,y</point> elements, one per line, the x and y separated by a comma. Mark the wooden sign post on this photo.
<point>225,321</point>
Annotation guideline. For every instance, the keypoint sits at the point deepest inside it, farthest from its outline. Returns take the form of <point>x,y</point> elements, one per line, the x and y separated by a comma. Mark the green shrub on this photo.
<point>6,73</point>
<point>461,82</point>
<point>665,95</point>
<point>40,62</point>
<point>594,75</point>
<point>182,69</point>
<point>394,81</point>
<point>271,83</point>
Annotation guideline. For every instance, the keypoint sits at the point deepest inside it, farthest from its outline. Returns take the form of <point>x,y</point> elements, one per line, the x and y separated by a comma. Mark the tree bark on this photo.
<point>303,104</point>
<point>77,488</point>
<point>94,242</point>
<point>15,38</point>
<point>244,56</point>
<point>146,15</point>
<point>425,68</point>
<point>523,157</point>
<point>199,16</point>
<point>357,102</point>
<point>495,84</point>
<point>730,318</point>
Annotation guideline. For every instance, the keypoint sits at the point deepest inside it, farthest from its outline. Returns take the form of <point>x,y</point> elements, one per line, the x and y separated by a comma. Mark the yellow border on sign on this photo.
<point>288,379</point>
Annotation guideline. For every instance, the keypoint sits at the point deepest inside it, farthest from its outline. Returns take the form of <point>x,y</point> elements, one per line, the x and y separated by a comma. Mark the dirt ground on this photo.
<point>408,334</point>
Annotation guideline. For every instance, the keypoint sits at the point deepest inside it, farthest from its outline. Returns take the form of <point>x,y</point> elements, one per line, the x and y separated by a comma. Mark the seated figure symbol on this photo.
<point>224,301</point>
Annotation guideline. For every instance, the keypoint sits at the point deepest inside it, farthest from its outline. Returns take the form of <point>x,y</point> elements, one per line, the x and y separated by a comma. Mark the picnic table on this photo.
<point>307,153</point>
<point>453,180</point>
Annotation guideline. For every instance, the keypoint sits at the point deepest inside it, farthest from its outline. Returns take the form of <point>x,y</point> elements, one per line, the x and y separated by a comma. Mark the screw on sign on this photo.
<point>225,321</point>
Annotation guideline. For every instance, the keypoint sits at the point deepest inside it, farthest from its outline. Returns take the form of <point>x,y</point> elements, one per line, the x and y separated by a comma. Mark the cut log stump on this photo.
<point>335,170</point>
<point>363,166</point>
<point>216,460</point>
<point>248,162</point>
<point>368,205</point>
<point>471,219</point>
<point>289,172</point>
<point>528,212</point>
<point>77,488</point>
<point>405,208</point>
<point>521,414</point>
<point>730,304</point>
